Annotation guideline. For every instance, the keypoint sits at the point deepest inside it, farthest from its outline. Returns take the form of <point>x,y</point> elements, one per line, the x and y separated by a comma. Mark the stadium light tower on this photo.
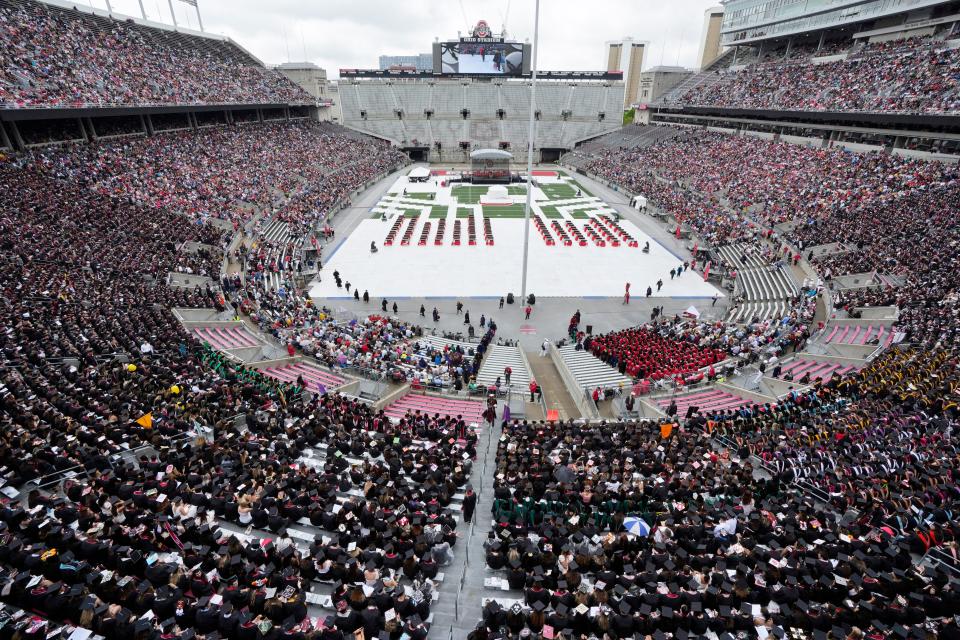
<point>530,135</point>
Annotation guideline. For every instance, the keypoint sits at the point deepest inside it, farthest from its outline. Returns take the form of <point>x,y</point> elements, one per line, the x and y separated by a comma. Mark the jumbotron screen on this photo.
<point>492,58</point>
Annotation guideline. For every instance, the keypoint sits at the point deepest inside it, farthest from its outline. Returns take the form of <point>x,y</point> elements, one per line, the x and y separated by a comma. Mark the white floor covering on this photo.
<point>465,271</point>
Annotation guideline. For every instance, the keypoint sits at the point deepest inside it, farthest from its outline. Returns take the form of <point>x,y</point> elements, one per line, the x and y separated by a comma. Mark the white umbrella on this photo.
<point>691,312</point>
<point>636,525</point>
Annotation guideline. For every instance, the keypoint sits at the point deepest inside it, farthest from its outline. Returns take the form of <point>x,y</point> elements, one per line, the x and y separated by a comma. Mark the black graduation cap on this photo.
<point>819,634</point>
<point>188,634</point>
<point>538,605</point>
<point>141,625</point>
<point>696,606</point>
<point>659,635</point>
<point>561,609</point>
<point>645,609</point>
<point>725,611</point>
<point>693,584</point>
<point>666,612</point>
<point>168,623</point>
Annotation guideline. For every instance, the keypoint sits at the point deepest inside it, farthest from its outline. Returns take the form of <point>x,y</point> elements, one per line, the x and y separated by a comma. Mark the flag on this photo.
<point>146,420</point>
<point>666,430</point>
<point>677,232</point>
<point>706,271</point>
<point>506,412</point>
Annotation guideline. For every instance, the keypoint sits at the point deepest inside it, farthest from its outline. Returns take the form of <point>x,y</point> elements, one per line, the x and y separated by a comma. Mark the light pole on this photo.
<point>532,131</point>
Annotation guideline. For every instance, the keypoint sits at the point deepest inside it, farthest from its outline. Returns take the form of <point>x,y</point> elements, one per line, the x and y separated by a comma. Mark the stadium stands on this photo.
<point>471,412</point>
<point>154,487</point>
<point>379,102</point>
<point>805,370</point>
<point>589,372</point>
<point>912,75</point>
<point>497,359</point>
<point>313,376</point>
<point>90,60</point>
<point>707,402</point>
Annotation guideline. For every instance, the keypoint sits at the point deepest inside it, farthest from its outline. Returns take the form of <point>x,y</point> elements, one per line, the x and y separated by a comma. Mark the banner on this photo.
<point>666,430</point>
<point>146,420</point>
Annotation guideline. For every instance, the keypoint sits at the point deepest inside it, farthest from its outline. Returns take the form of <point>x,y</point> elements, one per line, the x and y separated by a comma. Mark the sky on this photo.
<point>337,34</point>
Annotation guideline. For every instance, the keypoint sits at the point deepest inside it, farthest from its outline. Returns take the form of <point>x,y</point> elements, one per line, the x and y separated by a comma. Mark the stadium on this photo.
<point>475,349</point>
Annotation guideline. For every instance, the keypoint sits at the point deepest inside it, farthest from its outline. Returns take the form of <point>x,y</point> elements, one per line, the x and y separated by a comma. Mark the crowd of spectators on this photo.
<point>685,349</point>
<point>297,172</point>
<point>891,214</point>
<point>806,521</point>
<point>645,352</point>
<point>95,366</point>
<point>56,57</point>
<point>914,75</point>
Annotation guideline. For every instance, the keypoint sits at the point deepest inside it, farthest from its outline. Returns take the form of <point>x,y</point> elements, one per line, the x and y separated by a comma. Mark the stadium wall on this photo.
<point>437,117</point>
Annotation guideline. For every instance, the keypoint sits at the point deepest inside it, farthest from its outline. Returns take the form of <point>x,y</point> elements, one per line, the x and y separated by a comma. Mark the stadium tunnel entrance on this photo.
<point>551,155</point>
<point>417,154</point>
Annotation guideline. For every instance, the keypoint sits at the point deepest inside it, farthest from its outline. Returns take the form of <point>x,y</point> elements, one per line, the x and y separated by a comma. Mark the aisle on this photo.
<point>458,610</point>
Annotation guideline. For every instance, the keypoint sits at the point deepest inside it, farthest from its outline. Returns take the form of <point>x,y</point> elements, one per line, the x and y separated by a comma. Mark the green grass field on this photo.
<point>468,194</point>
<point>551,213</point>
<point>508,211</point>
<point>583,189</point>
<point>579,214</point>
<point>412,213</point>
<point>421,196</point>
<point>559,191</point>
<point>438,211</point>
<point>517,190</point>
<point>464,212</point>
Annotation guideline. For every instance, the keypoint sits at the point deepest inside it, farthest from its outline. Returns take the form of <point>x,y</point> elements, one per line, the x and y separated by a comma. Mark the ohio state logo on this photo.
<point>482,30</point>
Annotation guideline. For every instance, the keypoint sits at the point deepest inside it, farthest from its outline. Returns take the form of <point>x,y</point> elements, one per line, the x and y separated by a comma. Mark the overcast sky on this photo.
<point>339,34</point>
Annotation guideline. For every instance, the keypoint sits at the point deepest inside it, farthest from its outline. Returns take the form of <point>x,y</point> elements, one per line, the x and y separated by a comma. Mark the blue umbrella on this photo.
<point>636,525</point>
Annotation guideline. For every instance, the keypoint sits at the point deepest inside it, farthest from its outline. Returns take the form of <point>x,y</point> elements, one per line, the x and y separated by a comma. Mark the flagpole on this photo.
<point>531,132</point>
